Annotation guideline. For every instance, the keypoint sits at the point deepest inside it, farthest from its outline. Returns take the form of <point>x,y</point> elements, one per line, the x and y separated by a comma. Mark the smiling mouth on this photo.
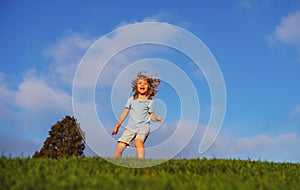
<point>142,88</point>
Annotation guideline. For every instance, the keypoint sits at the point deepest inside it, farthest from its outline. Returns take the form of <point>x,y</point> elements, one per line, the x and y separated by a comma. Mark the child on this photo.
<point>141,107</point>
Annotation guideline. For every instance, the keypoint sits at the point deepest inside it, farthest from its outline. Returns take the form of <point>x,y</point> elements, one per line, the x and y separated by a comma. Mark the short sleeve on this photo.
<point>151,106</point>
<point>128,103</point>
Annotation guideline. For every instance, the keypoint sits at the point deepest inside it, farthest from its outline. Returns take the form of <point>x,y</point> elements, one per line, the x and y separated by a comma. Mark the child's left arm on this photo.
<point>155,118</point>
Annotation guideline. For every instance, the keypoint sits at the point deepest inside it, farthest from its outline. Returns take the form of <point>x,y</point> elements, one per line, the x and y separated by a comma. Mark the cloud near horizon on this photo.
<point>260,147</point>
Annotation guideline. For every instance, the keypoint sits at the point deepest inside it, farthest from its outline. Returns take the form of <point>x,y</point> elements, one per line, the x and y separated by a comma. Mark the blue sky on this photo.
<point>256,44</point>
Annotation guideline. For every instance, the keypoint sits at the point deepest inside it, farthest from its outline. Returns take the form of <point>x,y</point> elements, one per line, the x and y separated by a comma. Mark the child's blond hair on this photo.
<point>152,82</point>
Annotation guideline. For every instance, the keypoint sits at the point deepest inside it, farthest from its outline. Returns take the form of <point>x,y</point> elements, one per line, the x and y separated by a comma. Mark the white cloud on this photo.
<point>27,111</point>
<point>264,147</point>
<point>288,32</point>
<point>34,94</point>
<point>47,89</point>
<point>65,55</point>
<point>68,49</point>
<point>159,17</point>
<point>118,48</point>
<point>262,141</point>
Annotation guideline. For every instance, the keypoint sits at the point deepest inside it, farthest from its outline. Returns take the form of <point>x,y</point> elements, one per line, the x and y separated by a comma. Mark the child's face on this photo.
<point>142,86</point>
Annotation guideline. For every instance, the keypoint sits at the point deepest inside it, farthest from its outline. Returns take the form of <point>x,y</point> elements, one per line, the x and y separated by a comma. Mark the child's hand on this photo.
<point>159,118</point>
<point>115,131</point>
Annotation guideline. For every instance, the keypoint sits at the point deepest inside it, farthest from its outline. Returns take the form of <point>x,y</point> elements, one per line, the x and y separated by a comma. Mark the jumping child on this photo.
<point>141,109</point>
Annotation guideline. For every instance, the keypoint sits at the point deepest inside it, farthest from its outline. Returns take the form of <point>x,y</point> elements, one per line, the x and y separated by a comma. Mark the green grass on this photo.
<point>97,173</point>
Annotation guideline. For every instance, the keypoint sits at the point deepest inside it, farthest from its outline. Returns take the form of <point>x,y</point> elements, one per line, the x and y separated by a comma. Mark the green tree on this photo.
<point>65,139</point>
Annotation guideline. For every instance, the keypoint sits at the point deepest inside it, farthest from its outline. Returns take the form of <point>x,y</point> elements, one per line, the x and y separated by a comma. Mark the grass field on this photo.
<point>97,173</point>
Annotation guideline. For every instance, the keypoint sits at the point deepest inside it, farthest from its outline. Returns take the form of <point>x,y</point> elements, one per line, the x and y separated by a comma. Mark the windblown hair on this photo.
<point>152,82</point>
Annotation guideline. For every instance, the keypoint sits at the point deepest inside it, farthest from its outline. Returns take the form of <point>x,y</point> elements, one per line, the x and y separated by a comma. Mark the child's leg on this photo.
<point>124,140</point>
<point>139,143</point>
<point>119,149</point>
<point>140,150</point>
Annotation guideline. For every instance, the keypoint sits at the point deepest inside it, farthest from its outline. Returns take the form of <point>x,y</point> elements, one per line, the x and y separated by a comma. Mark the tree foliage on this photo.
<point>65,139</point>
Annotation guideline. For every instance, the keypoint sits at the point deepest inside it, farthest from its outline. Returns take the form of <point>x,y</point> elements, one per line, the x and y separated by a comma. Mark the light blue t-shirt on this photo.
<point>139,118</point>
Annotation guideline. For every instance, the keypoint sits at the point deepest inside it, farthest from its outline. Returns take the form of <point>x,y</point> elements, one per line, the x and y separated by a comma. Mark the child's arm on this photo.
<point>155,118</point>
<point>121,119</point>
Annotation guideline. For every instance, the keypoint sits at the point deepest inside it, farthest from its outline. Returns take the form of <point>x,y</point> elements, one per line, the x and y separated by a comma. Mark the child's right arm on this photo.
<point>121,119</point>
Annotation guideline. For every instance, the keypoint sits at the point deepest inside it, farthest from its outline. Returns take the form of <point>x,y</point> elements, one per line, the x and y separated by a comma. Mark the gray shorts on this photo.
<point>128,136</point>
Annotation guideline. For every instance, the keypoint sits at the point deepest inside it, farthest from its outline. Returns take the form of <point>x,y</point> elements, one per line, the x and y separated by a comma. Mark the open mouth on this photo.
<point>142,88</point>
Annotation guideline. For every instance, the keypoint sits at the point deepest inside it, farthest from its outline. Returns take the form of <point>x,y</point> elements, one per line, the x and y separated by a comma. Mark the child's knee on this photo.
<point>139,143</point>
<point>121,145</point>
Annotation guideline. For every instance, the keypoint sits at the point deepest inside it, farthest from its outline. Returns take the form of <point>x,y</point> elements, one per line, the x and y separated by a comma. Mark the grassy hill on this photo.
<point>97,173</point>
